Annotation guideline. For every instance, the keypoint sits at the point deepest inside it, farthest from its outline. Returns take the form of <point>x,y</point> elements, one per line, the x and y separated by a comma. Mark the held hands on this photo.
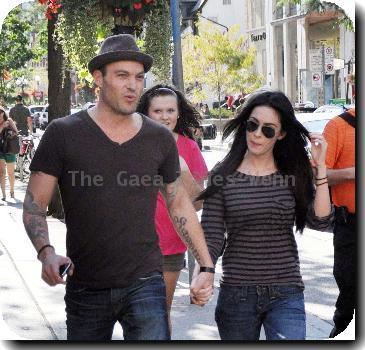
<point>318,149</point>
<point>201,288</point>
<point>50,268</point>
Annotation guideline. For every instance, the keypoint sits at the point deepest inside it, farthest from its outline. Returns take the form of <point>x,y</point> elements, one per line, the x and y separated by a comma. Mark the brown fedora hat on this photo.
<point>121,47</point>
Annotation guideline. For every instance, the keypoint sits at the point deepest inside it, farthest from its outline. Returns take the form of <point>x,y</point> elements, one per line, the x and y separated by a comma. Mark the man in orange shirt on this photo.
<point>340,136</point>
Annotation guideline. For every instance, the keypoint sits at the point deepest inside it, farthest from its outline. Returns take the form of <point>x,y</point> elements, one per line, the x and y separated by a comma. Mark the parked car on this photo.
<point>35,111</point>
<point>88,105</point>
<point>316,121</point>
<point>305,107</point>
<point>330,110</point>
<point>209,130</point>
<point>43,118</point>
<point>75,110</point>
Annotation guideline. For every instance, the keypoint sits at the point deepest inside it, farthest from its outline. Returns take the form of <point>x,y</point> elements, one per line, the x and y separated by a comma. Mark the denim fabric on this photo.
<point>345,271</point>
<point>242,310</point>
<point>139,308</point>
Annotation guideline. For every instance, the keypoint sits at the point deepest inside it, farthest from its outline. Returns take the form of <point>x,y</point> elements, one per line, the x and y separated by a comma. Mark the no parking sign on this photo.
<point>317,79</point>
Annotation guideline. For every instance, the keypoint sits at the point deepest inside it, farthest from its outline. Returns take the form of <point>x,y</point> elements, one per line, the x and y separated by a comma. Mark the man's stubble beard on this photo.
<point>115,107</point>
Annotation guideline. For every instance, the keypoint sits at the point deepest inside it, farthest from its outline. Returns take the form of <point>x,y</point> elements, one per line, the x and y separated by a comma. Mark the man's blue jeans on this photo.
<point>140,309</point>
<point>242,310</point>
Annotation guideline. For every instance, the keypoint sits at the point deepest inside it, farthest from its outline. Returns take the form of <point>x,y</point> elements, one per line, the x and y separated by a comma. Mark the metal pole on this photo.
<point>177,68</point>
<point>323,76</point>
<point>347,84</point>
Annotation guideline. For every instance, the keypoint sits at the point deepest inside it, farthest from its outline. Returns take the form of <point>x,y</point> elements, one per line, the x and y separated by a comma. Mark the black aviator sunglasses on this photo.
<point>268,131</point>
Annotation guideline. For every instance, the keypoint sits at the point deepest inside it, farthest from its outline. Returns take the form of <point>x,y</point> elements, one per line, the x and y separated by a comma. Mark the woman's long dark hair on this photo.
<point>188,116</point>
<point>290,155</point>
<point>5,116</point>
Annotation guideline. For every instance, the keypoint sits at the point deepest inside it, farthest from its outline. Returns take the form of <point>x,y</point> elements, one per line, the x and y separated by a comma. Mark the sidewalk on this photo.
<point>33,310</point>
<point>217,144</point>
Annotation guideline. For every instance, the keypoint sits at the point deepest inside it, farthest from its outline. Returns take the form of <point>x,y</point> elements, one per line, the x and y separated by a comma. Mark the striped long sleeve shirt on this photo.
<point>257,214</point>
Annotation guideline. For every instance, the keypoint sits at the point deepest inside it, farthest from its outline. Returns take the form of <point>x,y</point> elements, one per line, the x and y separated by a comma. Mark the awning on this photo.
<point>199,5</point>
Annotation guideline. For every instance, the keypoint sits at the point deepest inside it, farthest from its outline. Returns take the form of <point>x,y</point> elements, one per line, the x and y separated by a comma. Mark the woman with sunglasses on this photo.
<point>7,160</point>
<point>168,106</point>
<point>261,189</point>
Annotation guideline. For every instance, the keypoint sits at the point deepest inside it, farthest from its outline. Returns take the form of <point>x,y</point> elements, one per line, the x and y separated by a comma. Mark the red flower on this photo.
<point>54,8</point>
<point>42,2</point>
<point>49,14</point>
<point>137,6</point>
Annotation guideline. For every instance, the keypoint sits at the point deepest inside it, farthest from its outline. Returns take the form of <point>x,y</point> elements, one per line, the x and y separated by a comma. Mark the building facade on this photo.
<point>307,56</point>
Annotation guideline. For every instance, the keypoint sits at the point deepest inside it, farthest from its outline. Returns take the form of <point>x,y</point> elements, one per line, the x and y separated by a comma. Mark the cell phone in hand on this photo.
<point>64,268</point>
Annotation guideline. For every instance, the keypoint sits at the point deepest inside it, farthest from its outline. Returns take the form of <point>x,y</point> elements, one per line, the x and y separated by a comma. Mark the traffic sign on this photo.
<point>329,56</point>
<point>317,79</point>
<point>315,60</point>
<point>338,63</point>
<point>329,69</point>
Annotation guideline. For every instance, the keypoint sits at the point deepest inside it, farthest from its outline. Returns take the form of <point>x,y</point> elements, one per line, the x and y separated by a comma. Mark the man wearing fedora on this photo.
<point>110,163</point>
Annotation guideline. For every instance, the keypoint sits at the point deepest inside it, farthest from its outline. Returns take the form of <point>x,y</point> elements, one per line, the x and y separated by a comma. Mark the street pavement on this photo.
<point>33,310</point>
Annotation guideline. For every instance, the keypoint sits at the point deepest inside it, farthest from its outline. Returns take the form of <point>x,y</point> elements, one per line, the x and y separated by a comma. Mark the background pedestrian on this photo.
<point>340,135</point>
<point>7,160</point>
<point>21,116</point>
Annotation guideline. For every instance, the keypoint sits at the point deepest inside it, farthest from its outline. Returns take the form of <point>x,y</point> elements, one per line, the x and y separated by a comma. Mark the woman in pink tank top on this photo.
<point>168,106</point>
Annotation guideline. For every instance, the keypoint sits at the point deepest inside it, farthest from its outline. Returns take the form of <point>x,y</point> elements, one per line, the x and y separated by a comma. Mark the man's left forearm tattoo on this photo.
<point>180,225</point>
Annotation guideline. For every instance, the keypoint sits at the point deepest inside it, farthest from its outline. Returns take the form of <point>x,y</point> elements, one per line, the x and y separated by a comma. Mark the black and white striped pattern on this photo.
<point>257,212</point>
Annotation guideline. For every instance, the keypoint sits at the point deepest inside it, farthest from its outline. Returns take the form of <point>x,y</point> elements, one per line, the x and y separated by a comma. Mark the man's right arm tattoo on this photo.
<point>180,226</point>
<point>34,219</point>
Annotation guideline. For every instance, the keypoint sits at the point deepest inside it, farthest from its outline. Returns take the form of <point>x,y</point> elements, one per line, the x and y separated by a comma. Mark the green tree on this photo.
<point>38,30</point>
<point>74,30</point>
<point>82,25</point>
<point>320,7</point>
<point>14,50</point>
<point>219,61</point>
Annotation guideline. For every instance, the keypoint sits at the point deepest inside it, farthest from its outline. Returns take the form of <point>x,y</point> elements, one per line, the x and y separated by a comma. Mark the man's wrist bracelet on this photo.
<point>207,269</point>
<point>323,178</point>
<point>44,247</point>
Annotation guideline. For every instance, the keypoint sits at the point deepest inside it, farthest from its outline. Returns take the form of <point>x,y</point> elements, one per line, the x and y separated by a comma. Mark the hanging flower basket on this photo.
<point>128,12</point>
<point>131,12</point>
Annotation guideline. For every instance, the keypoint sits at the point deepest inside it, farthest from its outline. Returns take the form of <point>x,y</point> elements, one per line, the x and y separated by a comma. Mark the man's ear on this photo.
<point>98,78</point>
<point>282,135</point>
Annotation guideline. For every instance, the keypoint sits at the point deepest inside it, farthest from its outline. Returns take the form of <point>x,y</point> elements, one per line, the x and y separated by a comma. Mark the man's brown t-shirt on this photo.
<point>19,113</point>
<point>109,193</point>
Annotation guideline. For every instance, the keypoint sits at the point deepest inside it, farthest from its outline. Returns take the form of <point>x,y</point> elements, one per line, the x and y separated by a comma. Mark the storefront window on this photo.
<point>292,10</point>
<point>278,10</point>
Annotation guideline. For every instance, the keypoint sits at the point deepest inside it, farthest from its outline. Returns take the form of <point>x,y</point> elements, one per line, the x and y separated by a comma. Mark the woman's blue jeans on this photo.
<point>242,310</point>
<point>140,309</point>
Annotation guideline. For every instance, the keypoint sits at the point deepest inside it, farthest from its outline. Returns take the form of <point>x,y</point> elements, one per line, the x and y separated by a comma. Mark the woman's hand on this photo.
<point>318,149</point>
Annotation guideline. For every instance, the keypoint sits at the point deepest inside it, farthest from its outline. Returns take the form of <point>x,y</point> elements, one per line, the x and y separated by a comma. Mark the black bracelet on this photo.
<point>323,178</point>
<point>207,269</point>
<point>44,247</point>
<point>326,182</point>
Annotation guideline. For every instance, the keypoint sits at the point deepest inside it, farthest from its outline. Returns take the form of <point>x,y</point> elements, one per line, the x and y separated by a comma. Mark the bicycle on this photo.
<point>25,157</point>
